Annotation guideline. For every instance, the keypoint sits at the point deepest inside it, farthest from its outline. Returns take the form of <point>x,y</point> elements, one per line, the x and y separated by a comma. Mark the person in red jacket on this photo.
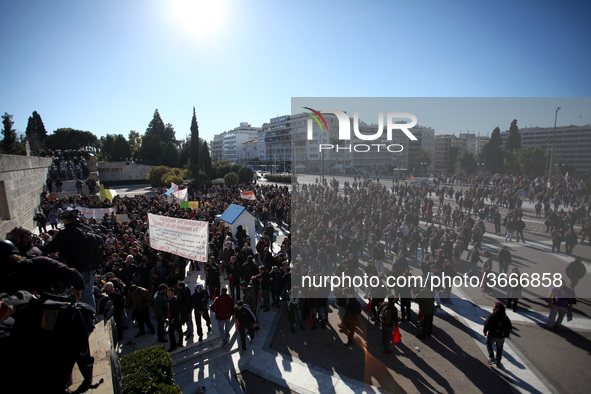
<point>223,307</point>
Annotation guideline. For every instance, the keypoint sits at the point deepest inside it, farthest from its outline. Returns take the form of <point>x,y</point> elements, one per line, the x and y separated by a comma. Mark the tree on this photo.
<point>156,176</point>
<point>245,174</point>
<point>221,168</point>
<point>68,138</point>
<point>171,155</point>
<point>134,138</point>
<point>493,154</point>
<point>231,179</point>
<point>195,146</point>
<point>121,150</point>
<point>9,141</point>
<point>169,135</point>
<point>36,133</point>
<point>514,138</point>
<point>511,163</point>
<point>151,151</point>
<point>206,159</point>
<point>466,163</point>
<point>107,146</point>
<point>532,161</point>
<point>156,128</point>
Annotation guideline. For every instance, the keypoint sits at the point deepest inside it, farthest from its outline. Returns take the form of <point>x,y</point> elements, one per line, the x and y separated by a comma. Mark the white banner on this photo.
<point>96,213</point>
<point>181,237</point>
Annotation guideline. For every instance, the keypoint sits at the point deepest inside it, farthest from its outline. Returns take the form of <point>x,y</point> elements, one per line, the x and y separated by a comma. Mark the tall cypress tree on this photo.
<point>514,138</point>
<point>195,149</point>
<point>36,132</point>
<point>9,140</point>
<point>493,154</point>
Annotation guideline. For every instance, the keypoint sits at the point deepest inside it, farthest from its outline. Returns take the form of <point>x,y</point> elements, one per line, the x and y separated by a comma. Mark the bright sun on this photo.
<point>200,18</point>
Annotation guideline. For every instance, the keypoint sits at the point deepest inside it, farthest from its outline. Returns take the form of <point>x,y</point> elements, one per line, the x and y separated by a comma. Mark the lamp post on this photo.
<point>553,142</point>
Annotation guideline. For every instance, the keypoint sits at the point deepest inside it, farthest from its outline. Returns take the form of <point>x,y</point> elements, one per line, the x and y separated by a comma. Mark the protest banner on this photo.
<point>181,237</point>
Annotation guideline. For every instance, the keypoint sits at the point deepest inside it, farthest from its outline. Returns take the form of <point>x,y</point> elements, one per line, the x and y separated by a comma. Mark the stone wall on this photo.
<point>21,182</point>
<point>113,171</point>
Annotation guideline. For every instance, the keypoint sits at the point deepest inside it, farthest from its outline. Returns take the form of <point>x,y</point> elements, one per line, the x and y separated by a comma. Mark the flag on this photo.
<point>181,194</point>
<point>185,204</point>
<point>368,307</point>
<point>396,337</point>
<point>412,178</point>
<point>247,195</point>
<point>173,188</point>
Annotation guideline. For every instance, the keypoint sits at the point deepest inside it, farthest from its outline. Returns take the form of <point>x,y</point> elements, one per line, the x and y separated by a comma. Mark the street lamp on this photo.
<point>553,142</point>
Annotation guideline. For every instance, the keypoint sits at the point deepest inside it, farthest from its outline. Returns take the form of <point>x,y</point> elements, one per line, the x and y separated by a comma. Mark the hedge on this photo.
<point>148,371</point>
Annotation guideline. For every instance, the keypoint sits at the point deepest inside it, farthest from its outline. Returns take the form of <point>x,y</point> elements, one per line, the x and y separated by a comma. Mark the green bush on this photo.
<point>148,371</point>
<point>231,179</point>
<point>278,178</point>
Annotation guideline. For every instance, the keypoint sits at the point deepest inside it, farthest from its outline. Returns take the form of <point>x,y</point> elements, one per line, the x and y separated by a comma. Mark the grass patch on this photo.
<point>105,193</point>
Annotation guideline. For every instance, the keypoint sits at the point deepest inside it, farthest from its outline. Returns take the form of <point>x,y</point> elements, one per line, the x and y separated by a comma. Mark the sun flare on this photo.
<point>200,18</point>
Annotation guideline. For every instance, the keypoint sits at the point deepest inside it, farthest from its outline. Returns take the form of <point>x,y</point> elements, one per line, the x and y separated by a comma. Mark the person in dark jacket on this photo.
<point>351,319</point>
<point>118,307</point>
<point>141,300</point>
<point>174,321</point>
<point>426,300</point>
<point>494,326</point>
<point>199,300</point>
<point>249,296</point>
<point>161,310</point>
<point>388,319</point>
<point>184,296</point>
<point>234,272</point>
<point>212,280</point>
<point>246,321</point>
<point>35,275</point>
<point>65,242</point>
<point>276,285</point>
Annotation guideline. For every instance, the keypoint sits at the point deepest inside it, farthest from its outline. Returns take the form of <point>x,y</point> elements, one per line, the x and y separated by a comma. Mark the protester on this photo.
<point>223,307</point>
<point>497,327</point>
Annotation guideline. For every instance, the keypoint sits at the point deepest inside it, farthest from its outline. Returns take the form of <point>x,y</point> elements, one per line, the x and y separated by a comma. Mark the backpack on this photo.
<point>53,331</point>
<point>88,250</point>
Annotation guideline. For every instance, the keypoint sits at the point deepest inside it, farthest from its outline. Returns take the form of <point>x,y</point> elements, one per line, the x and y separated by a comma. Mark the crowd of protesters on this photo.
<point>362,227</point>
<point>348,229</point>
<point>143,277</point>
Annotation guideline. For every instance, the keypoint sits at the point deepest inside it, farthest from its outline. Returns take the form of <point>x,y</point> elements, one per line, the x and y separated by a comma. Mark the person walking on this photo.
<point>388,318</point>
<point>246,321</point>
<point>141,300</point>
<point>504,258</point>
<point>351,319</point>
<point>560,301</point>
<point>223,307</point>
<point>497,327</point>
<point>426,300</point>
<point>199,300</point>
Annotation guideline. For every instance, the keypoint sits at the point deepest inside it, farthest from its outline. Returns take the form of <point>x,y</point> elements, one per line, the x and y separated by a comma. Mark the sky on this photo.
<point>106,66</point>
